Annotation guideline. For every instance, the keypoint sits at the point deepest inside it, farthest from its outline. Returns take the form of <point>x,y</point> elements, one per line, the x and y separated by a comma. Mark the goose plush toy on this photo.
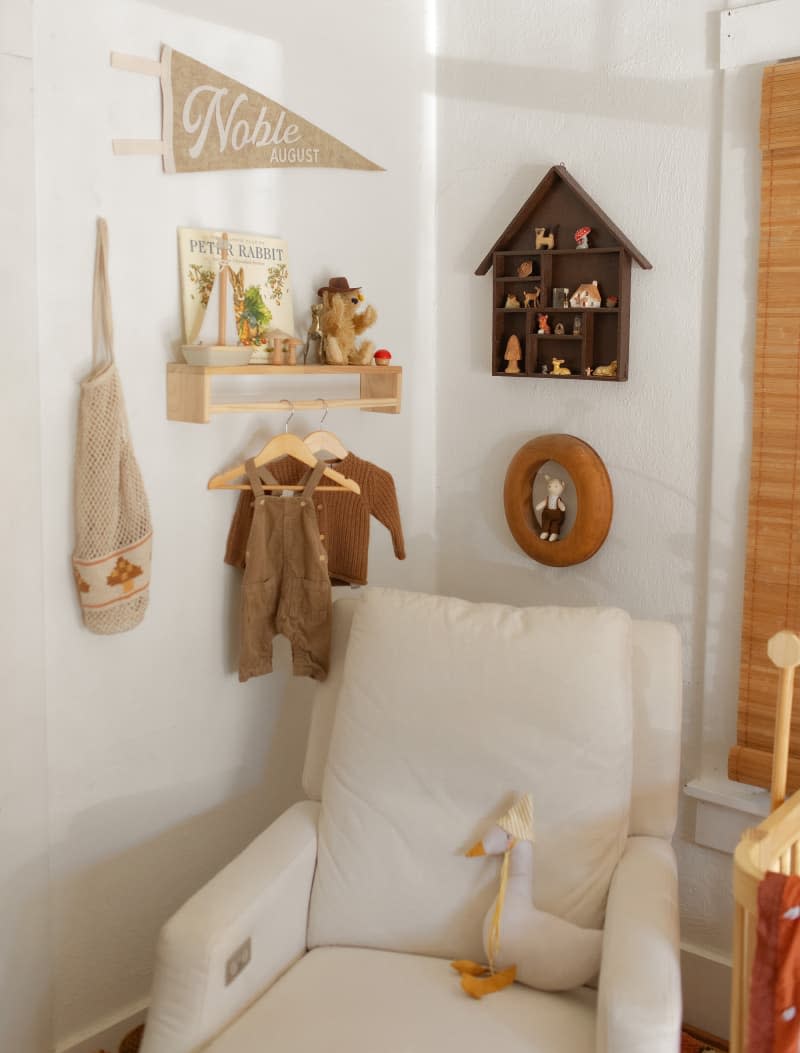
<point>521,942</point>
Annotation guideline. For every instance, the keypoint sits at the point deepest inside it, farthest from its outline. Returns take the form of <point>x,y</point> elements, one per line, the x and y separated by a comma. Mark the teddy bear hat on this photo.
<point>518,820</point>
<point>340,285</point>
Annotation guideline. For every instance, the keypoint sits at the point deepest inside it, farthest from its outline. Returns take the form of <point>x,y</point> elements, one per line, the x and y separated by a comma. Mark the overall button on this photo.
<point>322,537</point>
<point>302,504</point>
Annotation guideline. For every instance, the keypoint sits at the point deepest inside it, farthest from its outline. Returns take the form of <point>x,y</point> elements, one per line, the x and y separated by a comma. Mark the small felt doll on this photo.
<point>521,942</point>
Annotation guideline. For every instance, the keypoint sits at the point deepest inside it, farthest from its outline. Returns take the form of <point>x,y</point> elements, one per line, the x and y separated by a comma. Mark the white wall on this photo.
<point>161,764</point>
<point>25,993</point>
<point>626,95</point>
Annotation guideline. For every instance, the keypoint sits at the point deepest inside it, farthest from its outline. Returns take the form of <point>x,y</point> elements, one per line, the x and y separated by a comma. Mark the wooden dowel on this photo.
<point>784,651</point>
<point>223,292</point>
<point>737,1008</point>
<point>280,407</point>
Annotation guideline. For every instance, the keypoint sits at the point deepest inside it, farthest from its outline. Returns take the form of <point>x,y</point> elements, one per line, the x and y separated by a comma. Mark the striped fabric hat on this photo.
<point>518,820</point>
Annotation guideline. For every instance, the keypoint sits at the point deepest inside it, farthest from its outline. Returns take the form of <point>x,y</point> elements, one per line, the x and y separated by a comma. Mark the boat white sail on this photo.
<point>208,332</point>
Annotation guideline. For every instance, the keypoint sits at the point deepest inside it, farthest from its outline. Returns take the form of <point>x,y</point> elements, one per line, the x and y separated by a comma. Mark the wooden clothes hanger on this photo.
<point>283,445</point>
<point>321,441</point>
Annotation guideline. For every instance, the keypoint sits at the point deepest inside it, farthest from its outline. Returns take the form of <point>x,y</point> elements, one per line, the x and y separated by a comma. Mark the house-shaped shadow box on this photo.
<point>585,292</point>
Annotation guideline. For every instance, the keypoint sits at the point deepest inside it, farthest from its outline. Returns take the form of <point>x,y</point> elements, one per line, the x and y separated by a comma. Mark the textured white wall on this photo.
<point>162,765</point>
<point>25,994</point>
<point>626,95</point>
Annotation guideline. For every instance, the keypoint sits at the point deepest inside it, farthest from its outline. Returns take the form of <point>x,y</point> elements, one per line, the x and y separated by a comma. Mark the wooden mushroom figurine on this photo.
<point>382,357</point>
<point>582,237</point>
<point>513,354</point>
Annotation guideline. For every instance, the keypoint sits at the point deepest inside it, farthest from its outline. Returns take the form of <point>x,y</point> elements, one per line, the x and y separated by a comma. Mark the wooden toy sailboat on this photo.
<point>217,340</point>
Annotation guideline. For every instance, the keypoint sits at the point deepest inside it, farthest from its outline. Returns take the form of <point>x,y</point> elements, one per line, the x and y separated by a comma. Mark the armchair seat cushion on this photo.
<point>358,1000</point>
<point>447,712</point>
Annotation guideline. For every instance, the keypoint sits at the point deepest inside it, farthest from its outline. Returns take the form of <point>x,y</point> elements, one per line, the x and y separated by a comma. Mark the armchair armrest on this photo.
<point>261,896</point>
<point>639,997</point>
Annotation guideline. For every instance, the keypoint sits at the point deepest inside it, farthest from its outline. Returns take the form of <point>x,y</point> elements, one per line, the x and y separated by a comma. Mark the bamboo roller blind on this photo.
<point>772,575</point>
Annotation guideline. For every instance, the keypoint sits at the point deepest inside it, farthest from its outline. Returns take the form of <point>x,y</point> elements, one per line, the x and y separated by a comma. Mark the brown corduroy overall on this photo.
<point>286,588</point>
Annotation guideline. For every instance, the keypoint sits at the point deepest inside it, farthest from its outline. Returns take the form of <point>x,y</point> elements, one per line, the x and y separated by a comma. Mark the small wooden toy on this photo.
<point>545,370</point>
<point>382,357</point>
<point>545,237</point>
<point>586,295</point>
<point>552,509</point>
<point>543,323</point>
<point>612,301</point>
<point>559,369</point>
<point>577,325</point>
<point>531,299</point>
<point>582,237</point>
<point>525,269</point>
<point>513,354</point>
<point>511,300</point>
<point>588,371</point>
<point>559,329</point>
<point>314,334</point>
<point>606,371</point>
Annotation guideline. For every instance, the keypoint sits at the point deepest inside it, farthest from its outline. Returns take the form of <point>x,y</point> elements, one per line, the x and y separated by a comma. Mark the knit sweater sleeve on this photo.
<point>239,531</point>
<point>383,505</point>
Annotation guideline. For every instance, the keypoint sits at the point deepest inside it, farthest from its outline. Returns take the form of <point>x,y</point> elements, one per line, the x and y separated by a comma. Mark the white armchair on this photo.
<point>353,901</point>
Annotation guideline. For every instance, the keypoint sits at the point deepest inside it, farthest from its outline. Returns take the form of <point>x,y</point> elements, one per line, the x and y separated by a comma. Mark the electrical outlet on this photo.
<point>237,962</point>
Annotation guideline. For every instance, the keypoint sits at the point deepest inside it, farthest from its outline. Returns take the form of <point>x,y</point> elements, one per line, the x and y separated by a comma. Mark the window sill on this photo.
<point>725,810</point>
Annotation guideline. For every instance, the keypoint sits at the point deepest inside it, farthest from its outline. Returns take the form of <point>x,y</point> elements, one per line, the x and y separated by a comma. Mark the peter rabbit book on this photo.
<point>259,273</point>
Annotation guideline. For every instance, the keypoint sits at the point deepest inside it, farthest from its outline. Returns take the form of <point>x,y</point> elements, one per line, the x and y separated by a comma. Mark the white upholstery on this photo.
<point>425,752</point>
<point>263,894</point>
<point>348,1000</point>
<point>639,999</point>
<point>359,1001</point>
<point>657,701</point>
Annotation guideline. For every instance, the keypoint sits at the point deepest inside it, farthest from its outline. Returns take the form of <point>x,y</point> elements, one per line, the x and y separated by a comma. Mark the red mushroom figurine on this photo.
<point>382,357</point>
<point>582,237</point>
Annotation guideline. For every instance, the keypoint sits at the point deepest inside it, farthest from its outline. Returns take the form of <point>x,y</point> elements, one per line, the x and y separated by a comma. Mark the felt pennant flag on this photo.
<point>211,122</point>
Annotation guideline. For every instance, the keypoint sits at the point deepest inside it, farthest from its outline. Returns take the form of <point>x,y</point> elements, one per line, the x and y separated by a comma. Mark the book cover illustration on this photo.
<point>261,291</point>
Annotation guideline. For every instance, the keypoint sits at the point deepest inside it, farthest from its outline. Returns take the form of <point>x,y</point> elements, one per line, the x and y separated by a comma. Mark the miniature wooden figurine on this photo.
<point>582,237</point>
<point>577,325</point>
<point>559,329</point>
<point>559,369</point>
<point>612,301</point>
<point>586,295</point>
<point>314,334</point>
<point>531,299</point>
<point>513,354</point>
<point>560,297</point>
<point>552,509</point>
<point>525,269</point>
<point>588,371</point>
<point>382,357</point>
<point>511,301</point>
<point>545,237</point>
<point>606,371</point>
<point>545,370</point>
<point>543,323</point>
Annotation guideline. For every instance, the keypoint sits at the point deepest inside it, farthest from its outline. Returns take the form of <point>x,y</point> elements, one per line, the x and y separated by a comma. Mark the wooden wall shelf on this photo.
<point>189,390</point>
<point>559,203</point>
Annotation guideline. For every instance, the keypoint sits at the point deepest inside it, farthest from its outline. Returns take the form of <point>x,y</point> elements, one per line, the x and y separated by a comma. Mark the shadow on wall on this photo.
<point>130,895</point>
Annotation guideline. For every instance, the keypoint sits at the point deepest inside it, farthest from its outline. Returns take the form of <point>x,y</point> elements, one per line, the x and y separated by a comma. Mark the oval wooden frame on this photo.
<point>593,491</point>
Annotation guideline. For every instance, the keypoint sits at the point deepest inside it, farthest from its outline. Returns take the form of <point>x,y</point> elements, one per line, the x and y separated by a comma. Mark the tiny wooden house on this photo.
<point>593,336</point>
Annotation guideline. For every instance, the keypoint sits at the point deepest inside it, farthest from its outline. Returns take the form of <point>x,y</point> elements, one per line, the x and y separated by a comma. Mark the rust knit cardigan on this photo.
<point>343,517</point>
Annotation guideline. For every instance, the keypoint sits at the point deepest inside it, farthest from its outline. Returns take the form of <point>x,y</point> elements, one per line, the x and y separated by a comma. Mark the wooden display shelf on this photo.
<point>562,207</point>
<point>189,390</point>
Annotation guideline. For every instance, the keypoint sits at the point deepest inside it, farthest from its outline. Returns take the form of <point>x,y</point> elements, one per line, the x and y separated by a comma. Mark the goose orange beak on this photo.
<point>477,850</point>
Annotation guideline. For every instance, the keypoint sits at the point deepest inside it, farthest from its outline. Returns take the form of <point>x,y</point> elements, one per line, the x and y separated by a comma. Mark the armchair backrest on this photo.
<point>657,704</point>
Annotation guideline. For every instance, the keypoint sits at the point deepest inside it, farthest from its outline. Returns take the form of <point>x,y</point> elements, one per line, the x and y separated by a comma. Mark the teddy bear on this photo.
<point>341,323</point>
<point>552,509</point>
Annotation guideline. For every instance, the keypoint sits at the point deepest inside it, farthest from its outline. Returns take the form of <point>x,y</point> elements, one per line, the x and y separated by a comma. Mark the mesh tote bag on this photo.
<point>113,532</point>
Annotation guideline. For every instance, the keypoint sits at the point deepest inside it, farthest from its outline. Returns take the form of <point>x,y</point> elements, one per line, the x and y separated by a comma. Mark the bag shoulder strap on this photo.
<point>102,327</point>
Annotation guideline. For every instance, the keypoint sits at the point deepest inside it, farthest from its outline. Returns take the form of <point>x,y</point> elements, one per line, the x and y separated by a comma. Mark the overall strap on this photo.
<point>252,475</point>
<point>102,328</point>
<point>314,478</point>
